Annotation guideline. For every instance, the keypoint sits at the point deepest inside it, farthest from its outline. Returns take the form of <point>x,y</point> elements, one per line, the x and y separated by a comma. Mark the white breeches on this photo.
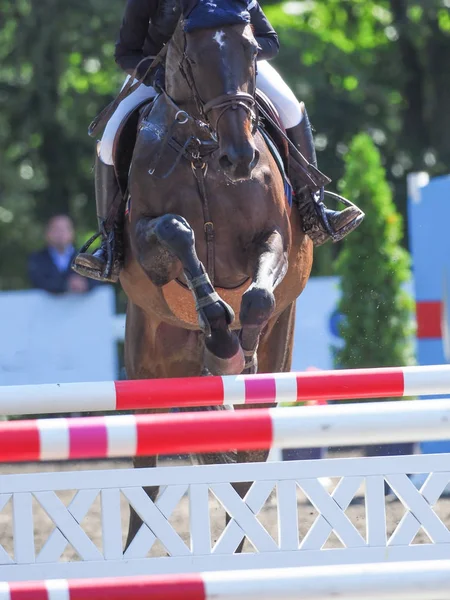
<point>268,81</point>
<point>125,107</point>
<point>273,85</point>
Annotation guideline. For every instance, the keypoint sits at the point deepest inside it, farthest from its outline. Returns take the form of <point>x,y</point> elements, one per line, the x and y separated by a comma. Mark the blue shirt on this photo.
<point>61,260</point>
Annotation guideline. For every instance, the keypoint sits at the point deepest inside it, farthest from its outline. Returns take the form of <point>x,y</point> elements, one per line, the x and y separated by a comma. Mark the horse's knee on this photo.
<point>175,232</point>
<point>158,260</point>
<point>257,307</point>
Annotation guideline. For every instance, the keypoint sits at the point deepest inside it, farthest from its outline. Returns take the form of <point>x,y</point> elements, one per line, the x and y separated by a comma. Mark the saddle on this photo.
<point>271,130</point>
<point>268,128</point>
<point>125,141</point>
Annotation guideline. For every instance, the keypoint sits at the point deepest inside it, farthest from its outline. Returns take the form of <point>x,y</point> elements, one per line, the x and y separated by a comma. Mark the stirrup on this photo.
<point>315,219</point>
<point>337,236</point>
<point>108,239</point>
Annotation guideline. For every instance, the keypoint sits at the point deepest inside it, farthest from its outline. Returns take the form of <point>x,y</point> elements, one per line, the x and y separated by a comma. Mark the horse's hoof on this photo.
<point>224,366</point>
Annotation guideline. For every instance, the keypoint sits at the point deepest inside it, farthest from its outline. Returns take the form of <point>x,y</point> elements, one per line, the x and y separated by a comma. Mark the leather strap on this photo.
<point>314,178</point>
<point>200,174</point>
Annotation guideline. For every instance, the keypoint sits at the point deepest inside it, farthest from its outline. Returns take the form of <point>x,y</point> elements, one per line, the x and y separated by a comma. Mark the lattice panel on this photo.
<point>285,491</point>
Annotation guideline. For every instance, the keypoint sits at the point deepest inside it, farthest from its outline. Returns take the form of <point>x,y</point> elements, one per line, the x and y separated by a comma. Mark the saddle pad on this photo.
<point>288,190</point>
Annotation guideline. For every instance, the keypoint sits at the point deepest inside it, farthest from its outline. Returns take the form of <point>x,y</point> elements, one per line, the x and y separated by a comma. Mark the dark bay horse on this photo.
<point>215,258</point>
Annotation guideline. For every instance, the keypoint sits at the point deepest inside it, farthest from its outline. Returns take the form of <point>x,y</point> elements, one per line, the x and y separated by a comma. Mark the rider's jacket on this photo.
<point>148,24</point>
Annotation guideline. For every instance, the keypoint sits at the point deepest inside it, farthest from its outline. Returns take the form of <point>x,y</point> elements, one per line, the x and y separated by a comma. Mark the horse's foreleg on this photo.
<point>165,247</point>
<point>258,303</point>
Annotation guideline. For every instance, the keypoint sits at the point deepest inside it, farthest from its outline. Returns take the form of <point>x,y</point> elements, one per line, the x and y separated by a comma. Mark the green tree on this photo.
<point>375,66</point>
<point>56,72</point>
<point>378,66</point>
<point>373,266</point>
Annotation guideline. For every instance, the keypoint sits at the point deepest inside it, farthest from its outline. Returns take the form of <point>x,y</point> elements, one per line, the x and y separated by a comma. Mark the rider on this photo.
<point>146,27</point>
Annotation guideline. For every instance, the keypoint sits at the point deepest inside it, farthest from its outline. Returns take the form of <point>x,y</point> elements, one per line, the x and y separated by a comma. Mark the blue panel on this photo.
<point>428,220</point>
<point>435,447</point>
<point>430,352</point>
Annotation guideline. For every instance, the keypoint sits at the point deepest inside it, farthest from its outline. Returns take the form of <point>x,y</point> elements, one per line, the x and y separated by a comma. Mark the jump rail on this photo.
<point>404,581</point>
<point>145,435</point>
<point>230,390</point>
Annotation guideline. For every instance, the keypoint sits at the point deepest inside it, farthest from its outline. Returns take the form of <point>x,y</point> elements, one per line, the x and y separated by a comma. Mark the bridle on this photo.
<point>222,103</point>
<point>198,151</point>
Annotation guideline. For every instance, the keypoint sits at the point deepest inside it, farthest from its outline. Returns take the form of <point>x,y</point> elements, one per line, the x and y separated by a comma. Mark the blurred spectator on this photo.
<point>49,269</point>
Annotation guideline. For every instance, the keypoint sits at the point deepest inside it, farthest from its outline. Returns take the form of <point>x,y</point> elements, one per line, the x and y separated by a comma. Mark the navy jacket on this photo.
<point>145,30</point>
<point>44,274</point>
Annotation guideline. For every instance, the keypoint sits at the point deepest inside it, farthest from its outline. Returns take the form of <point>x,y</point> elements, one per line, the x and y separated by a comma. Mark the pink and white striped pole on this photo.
<point>211,431</point>
<point>402,581</point>
<point>231,390</point>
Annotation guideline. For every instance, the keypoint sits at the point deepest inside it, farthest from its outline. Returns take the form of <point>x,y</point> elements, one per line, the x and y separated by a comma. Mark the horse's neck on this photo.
<point>176,85</point>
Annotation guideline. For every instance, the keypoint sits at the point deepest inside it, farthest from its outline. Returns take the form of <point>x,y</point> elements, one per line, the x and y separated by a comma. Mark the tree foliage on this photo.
<point>379,66</point>
<point>57,72</point>
<point>375,66</point>
<point>373,267</point>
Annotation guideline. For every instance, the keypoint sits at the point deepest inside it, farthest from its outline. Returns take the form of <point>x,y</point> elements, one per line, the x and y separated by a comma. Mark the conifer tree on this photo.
<point>377,312</point>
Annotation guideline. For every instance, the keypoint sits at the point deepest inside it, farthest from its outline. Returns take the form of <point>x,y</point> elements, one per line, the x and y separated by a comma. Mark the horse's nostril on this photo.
<point>225,162</point>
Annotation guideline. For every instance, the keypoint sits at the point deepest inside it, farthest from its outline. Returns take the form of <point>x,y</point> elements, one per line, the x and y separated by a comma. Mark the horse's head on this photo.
<point>220,67</point>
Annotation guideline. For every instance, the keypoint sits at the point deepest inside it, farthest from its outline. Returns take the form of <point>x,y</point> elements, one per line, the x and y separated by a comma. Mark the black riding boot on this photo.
<point>105,263</point>
<point>319,222</point>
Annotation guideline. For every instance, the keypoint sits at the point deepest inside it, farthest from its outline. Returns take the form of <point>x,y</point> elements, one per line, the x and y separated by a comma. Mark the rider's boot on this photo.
<point>106,262</point>
<point>319,222</point>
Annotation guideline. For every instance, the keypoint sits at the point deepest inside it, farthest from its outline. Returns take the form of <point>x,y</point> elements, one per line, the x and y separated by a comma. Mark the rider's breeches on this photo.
<point>268,81</point>
<point>274,86</point>
<point>125,107</point>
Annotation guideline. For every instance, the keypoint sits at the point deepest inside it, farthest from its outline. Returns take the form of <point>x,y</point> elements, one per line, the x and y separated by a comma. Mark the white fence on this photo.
<point>199,492</point>
<point>47,338</point>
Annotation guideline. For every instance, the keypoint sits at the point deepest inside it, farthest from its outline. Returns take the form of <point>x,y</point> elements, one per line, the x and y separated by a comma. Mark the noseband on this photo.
<point>233,101</point>
<point>223,103</point>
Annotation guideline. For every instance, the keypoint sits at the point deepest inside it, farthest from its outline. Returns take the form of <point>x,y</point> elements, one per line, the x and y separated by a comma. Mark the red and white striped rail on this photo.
<point>403,581</point>
<point>211,431</point>
<point>230,390</point>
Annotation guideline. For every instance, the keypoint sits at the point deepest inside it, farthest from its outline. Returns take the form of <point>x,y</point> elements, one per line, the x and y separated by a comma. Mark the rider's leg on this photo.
<point>107,200</point>
<point>319,222</point>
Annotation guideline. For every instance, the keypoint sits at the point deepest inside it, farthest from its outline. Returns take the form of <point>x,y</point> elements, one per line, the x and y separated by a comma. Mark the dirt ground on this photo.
<point>179,520</point>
